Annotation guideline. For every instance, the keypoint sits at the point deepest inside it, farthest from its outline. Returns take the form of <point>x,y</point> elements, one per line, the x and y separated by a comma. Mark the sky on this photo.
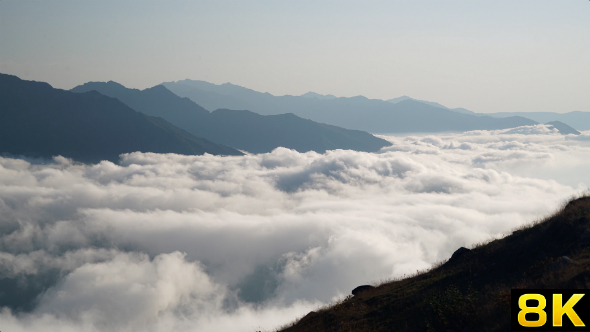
<point>165,242</point>
<point>486,56</point>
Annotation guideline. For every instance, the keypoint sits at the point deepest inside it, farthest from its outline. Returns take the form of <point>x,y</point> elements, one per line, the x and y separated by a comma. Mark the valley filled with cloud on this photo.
<point>166,242</point>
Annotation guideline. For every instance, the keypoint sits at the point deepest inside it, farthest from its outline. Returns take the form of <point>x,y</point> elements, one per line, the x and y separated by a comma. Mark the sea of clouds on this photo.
<point>165,242</point>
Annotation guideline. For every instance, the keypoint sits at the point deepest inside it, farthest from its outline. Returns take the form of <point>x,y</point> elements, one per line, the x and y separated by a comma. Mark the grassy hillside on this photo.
<point>471,291</point>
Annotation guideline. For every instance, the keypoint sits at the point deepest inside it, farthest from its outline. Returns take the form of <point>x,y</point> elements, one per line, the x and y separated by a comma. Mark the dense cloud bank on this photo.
<point>174,243</point>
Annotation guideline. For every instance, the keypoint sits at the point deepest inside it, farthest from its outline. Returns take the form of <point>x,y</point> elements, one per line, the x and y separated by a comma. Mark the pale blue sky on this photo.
<point>486,56</point>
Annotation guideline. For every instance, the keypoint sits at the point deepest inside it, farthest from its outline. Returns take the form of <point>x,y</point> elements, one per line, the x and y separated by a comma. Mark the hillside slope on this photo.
<point>40,121</point>
<point>244,130</point>
<point>471,291</point>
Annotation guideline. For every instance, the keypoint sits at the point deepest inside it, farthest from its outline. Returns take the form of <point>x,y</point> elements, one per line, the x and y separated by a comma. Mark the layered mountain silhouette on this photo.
<point>576,119</point>
<point>241,129</point>
<point>361,113</point>
<point>39,121</point>
<point>431,103</point>
<point>563,128</point>
<point>317,96</point>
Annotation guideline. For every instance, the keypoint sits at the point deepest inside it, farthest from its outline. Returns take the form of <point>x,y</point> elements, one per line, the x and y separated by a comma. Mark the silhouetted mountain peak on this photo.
<point>96,93</point>
<point>575,119</point>
<point>98,86</point>
<point>464,111</point>
<point>563,128</point>
<point>317,96</point>
<point>244,130</point>
<point>160,90</point>
<point>40,121</point>
<point>12,79</point>
<point>151,101</point>
<point>113,83</point>
<point>398,99</point>
<point>360,113</point>
<point>225,88</point>
<point>431,103</point>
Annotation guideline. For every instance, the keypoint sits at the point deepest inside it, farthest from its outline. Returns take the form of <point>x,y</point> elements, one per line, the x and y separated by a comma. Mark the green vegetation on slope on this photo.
<point>471,292</point>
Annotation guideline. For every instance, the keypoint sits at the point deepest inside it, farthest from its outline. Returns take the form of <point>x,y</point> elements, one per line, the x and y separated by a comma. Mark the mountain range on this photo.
<point>563,128</point>
<point>37,120</point>
<point>100,120</point>
<point>576,119</point>
<point>360,113</point>
<point>241,129</point>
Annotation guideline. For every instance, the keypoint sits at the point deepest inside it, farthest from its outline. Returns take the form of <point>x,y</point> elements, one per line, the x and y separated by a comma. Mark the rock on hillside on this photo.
<point>471,292</point>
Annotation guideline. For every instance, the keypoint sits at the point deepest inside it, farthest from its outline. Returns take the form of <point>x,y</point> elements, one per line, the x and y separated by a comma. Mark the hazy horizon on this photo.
<point>500,56</point>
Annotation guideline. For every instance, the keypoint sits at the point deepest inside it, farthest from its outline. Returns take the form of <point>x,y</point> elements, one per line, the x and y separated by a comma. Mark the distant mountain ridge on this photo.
<point>360,113</point>
<point>575,119</point>
<point>40,121</point>
<point>317,96</point>
<point>563,128</point>
<point>152,101</point>
<point>431,103</point>
<point>244,130</point>
<point>435,104</point>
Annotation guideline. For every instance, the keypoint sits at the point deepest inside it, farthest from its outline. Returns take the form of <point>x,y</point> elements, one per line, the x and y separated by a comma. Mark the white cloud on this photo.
<point>170,242</point>
<point>131,289</point>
